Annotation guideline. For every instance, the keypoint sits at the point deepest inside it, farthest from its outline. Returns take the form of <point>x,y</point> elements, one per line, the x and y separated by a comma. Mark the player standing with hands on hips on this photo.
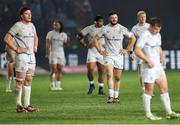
<point>22,38</point>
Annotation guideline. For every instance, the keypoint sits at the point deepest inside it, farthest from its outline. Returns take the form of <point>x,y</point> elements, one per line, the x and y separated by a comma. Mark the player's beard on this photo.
<point>113,23</point>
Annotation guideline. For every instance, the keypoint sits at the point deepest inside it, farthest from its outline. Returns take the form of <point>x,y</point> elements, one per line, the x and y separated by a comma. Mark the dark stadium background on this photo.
<point>76,14</point>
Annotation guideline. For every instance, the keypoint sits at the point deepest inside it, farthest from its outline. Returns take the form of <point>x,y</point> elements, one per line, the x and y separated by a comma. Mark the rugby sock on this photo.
<point>91,82</point>
<point>166,102</point>
<point>18,93</point>
<point>101,85</point>
<point>116,93</point>
<point>111,93</point>
<point>58,84</point>
<point>27,95</point>
<point>53,85</point>
<point>147,104</point>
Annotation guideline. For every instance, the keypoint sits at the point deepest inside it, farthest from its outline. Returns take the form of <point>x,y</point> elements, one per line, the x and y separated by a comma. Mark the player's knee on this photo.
<point>164,90</point>
<point>90,70</point>
<point>53,70</point>
<point>117,78</point>
<point>28,80</point>
<point>149,92</point>
<point>19,83</point>
<point>59,69</point>
<point>20,80</point>
<point>109,76</point>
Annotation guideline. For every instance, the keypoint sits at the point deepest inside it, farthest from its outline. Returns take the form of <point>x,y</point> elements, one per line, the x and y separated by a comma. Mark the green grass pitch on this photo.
<point>73,105</point>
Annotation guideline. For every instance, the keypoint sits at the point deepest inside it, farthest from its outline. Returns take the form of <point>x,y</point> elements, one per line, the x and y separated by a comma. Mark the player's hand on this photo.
<point>123,51</point>
<point>163,61</point>
<point>21,50</point>
<point>103,53</point>
<point>132,56</point>
<point>150,64</point>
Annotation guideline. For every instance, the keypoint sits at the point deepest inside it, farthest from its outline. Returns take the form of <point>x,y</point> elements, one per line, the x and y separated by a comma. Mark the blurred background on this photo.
<point>77,14</point>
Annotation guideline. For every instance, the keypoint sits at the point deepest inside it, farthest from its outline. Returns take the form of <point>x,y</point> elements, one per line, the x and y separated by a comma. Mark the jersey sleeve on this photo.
<point>85,31</point>
<point>101,34</point>
<point>14,30</point>
<point>133,31</point>
<point>65,38</point>
<point>126,32</point>
<point>48,36</point>
<point>34,29</point>
<point>141,41</point>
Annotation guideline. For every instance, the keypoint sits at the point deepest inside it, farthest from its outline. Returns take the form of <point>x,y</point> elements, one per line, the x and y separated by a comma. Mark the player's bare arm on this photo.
<point>80,37</point>
<point>47,48</point>
<point>35,43</point>
<point>162,57</point>
<point>96,43</point>
<point>140,53</point>
<point>8,39</point>
<point>67,42</point>
<point>131,43</point>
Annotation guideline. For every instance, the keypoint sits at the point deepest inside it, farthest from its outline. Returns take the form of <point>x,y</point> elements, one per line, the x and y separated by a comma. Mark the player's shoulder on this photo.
<point>90,26</point>
<point>107,25</point>
<point>146,33</point>
<point>121,27</point>
<point>18,24</point>
<point>51,32</point>
<point>135,27</point>
<point>30,23</point>
<point>63,34</point>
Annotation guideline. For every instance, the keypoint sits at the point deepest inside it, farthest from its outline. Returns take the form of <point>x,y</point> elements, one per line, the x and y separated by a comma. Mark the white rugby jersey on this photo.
<point>57,41</point>
<point>137,29</point>
<point>24,35</point>
<point>114,36</point>
<point>91,31</point>
<point>150,45</point>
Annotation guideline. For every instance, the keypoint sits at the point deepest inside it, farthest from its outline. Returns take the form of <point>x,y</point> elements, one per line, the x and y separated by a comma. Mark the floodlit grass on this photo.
<point>74,106</point>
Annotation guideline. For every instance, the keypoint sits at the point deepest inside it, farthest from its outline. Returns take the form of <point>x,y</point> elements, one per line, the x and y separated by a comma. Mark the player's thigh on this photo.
<point>59,67</point>
<point>91,66</point>
<point>21,63</point>
<point>109,69</point>
<point>31,65</point>
<point>100,67</point>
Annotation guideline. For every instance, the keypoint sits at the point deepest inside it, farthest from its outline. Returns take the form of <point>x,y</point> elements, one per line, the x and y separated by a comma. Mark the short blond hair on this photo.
<point>140,12</point>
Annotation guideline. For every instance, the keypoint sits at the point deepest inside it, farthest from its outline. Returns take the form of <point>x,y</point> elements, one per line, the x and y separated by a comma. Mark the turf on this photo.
<point>74,106</point>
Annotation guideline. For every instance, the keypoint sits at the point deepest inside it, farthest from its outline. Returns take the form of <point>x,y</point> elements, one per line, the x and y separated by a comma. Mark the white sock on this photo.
<point>111,93</point>
<point>27,95</point>
<point>53,85</point>
<point>116,93</point>
<point>8,83</point>
<point>58,84</point>
<point>101,85</point>
<point>166,102</point>
<point>18,96</point>
<point>147,104</point>
<point>91,82</point>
